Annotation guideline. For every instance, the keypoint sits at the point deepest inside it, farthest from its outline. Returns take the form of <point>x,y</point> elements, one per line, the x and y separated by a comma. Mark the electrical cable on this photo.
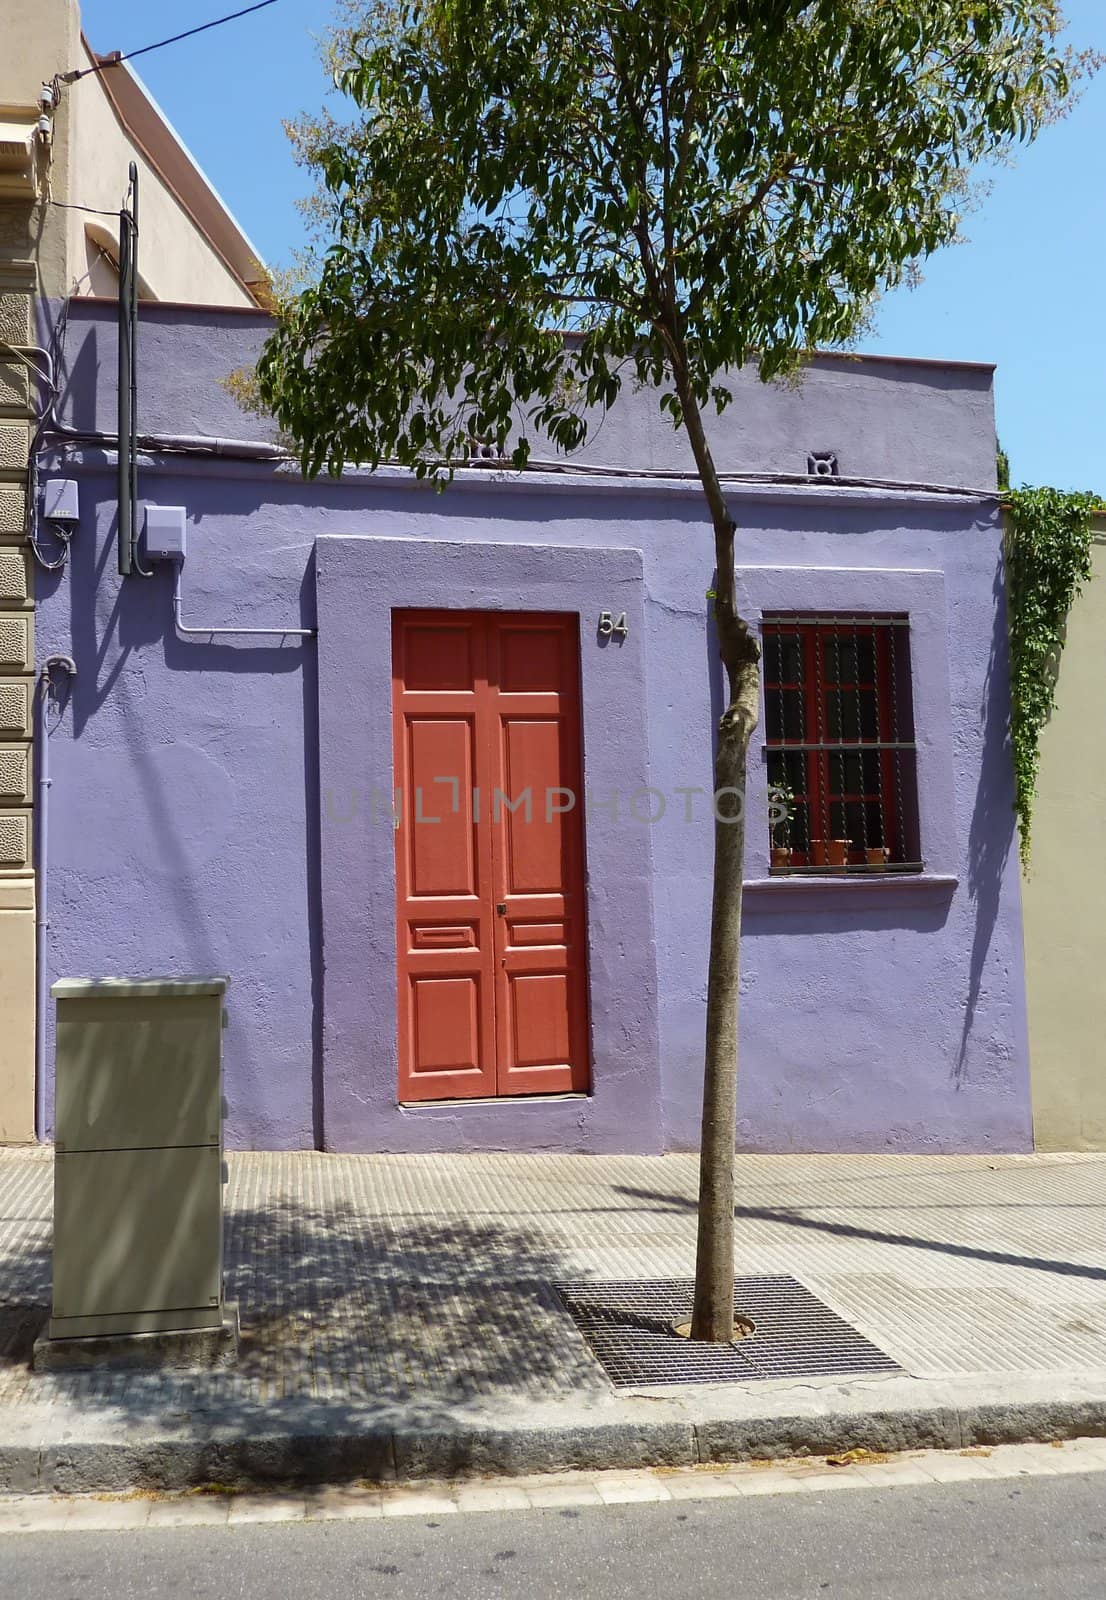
<point>46,376</point>
<point>116,57</point>
<point>143,572</point>
<point>23,354</point>
<point>93,211</point>
<point>61,532</point>
<point>259,450</point>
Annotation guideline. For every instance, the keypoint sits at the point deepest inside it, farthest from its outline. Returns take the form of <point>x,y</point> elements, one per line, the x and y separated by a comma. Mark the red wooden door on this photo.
<point>489,855</point>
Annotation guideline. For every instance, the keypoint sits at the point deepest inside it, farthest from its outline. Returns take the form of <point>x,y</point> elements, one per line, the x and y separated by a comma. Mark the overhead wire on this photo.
<point>116,56</point>
<point>93,211</point>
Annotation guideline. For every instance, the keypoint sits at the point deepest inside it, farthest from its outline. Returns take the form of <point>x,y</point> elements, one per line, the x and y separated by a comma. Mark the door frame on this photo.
<point>360,581</point>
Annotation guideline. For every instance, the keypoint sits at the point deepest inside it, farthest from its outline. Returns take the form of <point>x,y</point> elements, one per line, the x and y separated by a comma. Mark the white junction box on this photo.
<point>165,537</point>
<point>60,500</point>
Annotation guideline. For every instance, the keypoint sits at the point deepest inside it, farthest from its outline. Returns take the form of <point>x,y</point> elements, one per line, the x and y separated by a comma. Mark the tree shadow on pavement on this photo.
<point>850,1230</point>
<point>350,1323</point>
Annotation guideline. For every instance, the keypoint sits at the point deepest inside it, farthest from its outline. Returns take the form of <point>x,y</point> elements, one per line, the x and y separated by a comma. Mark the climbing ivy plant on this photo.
<point>1048,561</point>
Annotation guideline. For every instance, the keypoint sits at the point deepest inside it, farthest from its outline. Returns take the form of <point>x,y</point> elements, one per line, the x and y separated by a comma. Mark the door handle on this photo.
<point>501,909</point>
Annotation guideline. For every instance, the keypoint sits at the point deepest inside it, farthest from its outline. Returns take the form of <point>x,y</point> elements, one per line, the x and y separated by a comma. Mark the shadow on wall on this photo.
<point>343,1318</point>
<point>115,625</point>
<point>993,824</point>
<point>78,376</point>
<point>759,920</point>
<point>141,614</point>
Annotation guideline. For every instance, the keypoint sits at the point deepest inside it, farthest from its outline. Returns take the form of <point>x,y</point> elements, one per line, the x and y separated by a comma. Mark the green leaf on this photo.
<point>528,202</point>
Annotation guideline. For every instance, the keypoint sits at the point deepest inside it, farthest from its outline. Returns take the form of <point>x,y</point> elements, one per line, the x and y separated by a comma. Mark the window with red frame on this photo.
<point>839,726</point>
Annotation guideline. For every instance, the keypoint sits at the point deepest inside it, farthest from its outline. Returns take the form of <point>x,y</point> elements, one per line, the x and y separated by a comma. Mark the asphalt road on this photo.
<point>1042,1536</point>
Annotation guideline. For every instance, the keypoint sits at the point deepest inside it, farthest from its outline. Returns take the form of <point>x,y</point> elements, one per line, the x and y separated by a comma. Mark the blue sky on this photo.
<point>1025,291</point>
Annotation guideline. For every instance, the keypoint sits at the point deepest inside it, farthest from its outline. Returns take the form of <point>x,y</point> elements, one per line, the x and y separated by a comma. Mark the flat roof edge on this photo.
<point>857,358</point>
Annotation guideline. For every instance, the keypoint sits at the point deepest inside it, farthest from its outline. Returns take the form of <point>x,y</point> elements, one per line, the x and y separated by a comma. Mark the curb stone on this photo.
<point>274,1456</point>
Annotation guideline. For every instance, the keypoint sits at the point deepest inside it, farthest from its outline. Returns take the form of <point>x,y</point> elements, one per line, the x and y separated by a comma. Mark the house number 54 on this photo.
<point>612,627</point>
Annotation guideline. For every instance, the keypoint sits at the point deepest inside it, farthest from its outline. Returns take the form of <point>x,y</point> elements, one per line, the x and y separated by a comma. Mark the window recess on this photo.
<point>842,763</point>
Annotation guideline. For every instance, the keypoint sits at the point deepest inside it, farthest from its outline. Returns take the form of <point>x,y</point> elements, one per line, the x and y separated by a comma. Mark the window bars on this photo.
<point>839,722</point>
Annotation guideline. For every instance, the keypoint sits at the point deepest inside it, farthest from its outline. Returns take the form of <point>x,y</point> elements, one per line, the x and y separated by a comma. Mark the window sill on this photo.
<point>485,1101</point>
<point>828,892</point>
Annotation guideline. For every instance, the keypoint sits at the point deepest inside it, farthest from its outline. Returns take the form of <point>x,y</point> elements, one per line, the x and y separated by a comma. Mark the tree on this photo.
<point>684,187</point>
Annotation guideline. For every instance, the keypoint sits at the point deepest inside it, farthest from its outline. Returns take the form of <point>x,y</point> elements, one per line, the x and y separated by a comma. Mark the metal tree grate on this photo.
<point>628,1327</point>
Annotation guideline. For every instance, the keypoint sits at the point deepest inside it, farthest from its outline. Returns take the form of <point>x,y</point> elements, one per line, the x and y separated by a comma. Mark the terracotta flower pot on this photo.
<point>878,855</point>
<point>830,852</point>
<point>781,855</point>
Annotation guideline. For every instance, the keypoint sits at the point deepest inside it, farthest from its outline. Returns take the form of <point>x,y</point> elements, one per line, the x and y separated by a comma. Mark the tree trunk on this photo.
<point>713,1313</point>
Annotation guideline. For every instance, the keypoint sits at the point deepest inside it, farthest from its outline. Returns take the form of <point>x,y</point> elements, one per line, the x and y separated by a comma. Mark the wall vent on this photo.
<point>822,464</point>
<point>482,454</point>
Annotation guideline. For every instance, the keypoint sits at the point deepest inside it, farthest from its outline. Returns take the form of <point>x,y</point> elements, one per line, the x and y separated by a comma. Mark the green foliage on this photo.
<point>534,204</point>
<point>1002,465</point>
<point>1048,560</point>
<point>781,811</point>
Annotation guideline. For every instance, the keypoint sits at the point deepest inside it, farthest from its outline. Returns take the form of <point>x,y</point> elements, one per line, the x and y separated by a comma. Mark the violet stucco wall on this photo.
<point>189,833</point>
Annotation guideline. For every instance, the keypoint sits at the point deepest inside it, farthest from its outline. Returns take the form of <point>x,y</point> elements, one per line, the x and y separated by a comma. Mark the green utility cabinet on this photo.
<point>138,1169</point>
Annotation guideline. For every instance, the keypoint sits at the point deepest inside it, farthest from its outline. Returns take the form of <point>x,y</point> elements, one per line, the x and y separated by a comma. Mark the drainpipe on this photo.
<point>128,374</point>
<point>42,833</point>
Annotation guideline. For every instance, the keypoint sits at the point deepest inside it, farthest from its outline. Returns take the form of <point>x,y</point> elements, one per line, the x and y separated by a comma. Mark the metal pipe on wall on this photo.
<point>128,375</point>
<point>67,665</point>
<point>269,633</point>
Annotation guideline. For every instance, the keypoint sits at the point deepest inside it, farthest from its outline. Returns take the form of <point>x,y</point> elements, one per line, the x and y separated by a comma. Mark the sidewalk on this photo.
<point>399,1318</point>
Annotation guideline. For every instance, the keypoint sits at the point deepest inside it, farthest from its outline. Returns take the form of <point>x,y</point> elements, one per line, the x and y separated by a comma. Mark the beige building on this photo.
<point>65,150</point>
<point>1064,892</point>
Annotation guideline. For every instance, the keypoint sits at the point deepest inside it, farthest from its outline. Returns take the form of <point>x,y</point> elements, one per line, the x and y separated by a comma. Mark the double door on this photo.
<point>489,855</point>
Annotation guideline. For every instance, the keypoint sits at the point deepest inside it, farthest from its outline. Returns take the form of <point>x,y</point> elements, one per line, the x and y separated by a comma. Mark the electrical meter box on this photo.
<point>138,1168</point>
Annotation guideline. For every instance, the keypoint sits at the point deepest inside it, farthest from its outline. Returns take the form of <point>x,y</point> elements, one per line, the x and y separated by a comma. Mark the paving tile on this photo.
<point>34,1513</point>
<point>420,1502</point>
<point>546,1480</point>
<point>832,1478</point>
<point>87,1513</point>
<point>490,1497</point>
<point>1092,1450</point>
<point>955,1468</point>
<point>565,1494</point>
<point>1035,1458</point>
<point>1061,1463</point>
<point>768,1481</point>
<point>1049,1459</point>
<point>886,1473</point>
<point>618,1488</point>
<point>699,1486</point>
<point>342,1502</point>
<point>266,1508</point>
<point>189,1511</point>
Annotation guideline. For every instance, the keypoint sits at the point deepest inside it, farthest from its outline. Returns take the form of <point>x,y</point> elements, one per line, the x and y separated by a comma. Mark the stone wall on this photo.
<point>18,396</point>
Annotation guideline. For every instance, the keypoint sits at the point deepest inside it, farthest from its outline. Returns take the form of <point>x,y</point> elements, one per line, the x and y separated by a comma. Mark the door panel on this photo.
<point>443,861</point>
<point>531,658</point>
<point>532,823</point>
<point>445,1025</point>
<point>537,855</point>
<point>442,843</point>
<point>489,855</point>
<point>439,657</point>
<point>540,1013</point>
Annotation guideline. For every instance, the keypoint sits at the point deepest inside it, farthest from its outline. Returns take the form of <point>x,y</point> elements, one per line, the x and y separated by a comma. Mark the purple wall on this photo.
<point>884,417</point>
<point>189,830</point>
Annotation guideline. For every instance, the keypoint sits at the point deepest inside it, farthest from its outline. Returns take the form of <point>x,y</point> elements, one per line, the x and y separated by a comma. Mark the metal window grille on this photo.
<point>842,762</point>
